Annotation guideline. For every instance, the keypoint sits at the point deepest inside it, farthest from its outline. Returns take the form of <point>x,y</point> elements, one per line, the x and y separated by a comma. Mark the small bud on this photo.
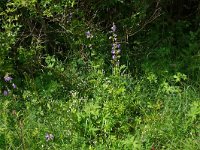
<point>113,28</point>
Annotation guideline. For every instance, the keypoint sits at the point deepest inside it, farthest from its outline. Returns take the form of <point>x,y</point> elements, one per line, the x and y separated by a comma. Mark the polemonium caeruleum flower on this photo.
<point>7,78</point>
<point>116,47</point>
<point>14,86</point>
<point>5,93</point>
<point>113,52</point>
<point>113,57</point>
<point>88,35</point>
<point>49,137</point>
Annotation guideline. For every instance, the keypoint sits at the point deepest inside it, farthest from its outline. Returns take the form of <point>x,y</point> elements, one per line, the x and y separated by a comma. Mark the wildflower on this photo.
<point>5,93</point>
<point>113,28</point>
<point>49,137</point>
<point>14,86</point>
<point>118,46</point>
<point>113,57</point>
<point>88,35</point>
<point>7,78</point>
<point>113,51</point>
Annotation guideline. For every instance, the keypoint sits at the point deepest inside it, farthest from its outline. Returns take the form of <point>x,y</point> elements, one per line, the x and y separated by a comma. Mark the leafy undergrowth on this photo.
<point>63,85</point>
<point>99,111</point>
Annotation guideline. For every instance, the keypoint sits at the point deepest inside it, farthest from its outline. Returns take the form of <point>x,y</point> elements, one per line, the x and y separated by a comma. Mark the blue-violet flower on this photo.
<point>5,93</point>
<point>7,78</point>
<point>49,137</point>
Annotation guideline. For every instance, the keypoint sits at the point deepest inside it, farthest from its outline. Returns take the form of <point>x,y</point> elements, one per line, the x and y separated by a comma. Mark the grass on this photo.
<point>112,112</point>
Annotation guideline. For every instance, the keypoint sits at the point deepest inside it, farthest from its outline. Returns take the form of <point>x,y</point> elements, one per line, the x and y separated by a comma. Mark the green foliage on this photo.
<point>112,112</point>
<point>61,88</point>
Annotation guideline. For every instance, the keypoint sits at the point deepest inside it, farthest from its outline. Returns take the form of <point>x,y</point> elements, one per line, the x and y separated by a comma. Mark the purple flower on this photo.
<point>49,137</point>
<point>113,51</point>
<point>14,86</point>
<point>118,46</point>
<point>7,78</point>
<point>5,93</point>
<point>88,35</point>
<point>113,57</point>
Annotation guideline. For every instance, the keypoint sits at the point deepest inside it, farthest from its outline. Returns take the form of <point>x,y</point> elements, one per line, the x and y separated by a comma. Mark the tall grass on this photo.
<point>101,112</point>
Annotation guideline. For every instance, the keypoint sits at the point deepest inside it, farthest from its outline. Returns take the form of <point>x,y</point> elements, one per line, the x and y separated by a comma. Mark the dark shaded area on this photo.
<point>149,31</point>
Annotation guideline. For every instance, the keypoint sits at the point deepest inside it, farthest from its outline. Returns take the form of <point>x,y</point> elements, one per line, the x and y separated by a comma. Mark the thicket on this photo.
<point>100,74</point>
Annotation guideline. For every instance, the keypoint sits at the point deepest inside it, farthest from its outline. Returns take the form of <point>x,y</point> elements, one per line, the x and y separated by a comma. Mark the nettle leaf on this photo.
<point>179,76</point>
<point>50,60</point>
<point>92,109</point>
<point>194,109</point>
